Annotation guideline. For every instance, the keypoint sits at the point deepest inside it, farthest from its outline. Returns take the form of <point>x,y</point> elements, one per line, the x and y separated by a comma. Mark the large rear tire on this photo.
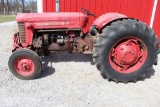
<point>125,51</point>
<point>25,64</point>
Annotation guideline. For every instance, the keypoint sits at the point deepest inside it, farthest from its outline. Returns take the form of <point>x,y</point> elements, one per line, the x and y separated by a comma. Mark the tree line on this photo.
<point>17,6</point>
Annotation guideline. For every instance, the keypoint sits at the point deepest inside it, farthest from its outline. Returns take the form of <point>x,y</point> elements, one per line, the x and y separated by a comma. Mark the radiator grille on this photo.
<point>22,32</point>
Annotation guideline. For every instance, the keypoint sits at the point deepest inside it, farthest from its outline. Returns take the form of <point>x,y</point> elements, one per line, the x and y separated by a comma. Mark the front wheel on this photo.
<point>125,51</point>
<point>25,64</point>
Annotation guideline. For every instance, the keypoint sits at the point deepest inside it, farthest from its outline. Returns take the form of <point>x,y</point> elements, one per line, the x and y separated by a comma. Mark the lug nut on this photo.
<point>121,48</point>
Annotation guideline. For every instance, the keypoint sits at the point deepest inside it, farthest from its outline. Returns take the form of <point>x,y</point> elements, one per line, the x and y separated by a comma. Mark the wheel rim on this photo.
<point>24,66</point>
<point>128,55</point>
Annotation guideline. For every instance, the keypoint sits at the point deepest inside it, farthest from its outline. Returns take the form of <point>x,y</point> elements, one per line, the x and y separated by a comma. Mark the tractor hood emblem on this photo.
<point>55,23</point>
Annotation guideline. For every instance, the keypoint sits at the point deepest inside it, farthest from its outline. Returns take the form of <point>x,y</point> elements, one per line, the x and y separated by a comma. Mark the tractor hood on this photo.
<point>34,17</point>
<point>76,18</point>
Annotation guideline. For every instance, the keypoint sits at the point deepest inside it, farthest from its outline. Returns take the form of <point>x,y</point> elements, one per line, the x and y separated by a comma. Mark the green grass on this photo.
<point>7,18</point>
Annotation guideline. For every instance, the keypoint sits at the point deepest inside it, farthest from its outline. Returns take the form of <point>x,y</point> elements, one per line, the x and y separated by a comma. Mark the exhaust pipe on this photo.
<point>57,5</point>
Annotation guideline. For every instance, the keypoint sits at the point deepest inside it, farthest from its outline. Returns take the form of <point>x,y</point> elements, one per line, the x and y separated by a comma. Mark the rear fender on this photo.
<point>107,18</point>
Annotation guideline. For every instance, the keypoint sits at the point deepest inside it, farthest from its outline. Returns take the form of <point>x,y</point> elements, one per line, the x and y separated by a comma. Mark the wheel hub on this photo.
<point>128,55</point>
<point>24,66</point>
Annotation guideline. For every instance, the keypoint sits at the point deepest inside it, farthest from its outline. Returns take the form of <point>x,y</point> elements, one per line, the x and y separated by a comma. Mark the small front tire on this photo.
<point>25,64</point>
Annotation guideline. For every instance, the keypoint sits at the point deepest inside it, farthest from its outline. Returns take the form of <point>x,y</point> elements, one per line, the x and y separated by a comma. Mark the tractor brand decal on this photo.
<point>54,23</point>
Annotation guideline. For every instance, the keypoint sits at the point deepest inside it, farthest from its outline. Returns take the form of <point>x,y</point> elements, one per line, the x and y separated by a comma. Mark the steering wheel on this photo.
<point>88,12</point>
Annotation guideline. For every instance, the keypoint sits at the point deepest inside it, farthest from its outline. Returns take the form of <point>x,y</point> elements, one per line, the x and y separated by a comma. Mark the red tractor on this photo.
<point>124,49</point>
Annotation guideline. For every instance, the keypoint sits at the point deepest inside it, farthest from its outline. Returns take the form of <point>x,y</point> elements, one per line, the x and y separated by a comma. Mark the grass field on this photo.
<point>7,18</point>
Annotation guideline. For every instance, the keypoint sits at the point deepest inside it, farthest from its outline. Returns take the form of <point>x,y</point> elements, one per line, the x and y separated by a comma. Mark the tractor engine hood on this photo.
<point>72,19</point>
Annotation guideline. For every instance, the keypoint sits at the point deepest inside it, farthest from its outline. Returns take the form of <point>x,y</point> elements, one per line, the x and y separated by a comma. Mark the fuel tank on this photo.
<point>54,20</point>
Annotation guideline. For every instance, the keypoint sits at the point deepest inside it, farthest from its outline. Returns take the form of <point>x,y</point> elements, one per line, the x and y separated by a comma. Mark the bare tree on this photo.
<point>2,1</point>
<point>8,6</point>
<point>15,6</point>
<point>31,5</point>
<point>3,6</point>
<point>23,6</point>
